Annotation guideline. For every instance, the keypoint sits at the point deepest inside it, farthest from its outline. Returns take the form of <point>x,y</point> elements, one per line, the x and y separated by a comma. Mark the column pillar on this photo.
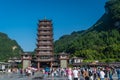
<point>38,65</point>
<point>51,64</point>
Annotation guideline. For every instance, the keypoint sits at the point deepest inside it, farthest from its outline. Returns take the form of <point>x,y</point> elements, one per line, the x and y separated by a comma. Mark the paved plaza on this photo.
<point>37,76</point>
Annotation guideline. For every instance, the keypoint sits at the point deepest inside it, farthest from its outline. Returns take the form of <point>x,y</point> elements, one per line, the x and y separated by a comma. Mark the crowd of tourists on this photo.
<point>29,71</point>
<point>76,73</point>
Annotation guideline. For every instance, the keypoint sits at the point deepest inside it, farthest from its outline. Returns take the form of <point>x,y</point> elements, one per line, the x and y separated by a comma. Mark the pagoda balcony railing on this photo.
<point>44,49</point>
<point>49,59</point>
<point>44,54</point>
<point>45,38</point>
<point>45,33</point>
<point>42,44</point>
<point>45,28</point>
<point>45,41</point>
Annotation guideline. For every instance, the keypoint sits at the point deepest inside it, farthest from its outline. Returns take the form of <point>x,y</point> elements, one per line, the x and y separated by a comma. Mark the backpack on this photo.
<point>90,73</point>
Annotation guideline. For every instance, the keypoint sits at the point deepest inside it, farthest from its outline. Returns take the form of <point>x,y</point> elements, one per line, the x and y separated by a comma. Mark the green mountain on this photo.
<point>100,41</point>
<point>8,48</point>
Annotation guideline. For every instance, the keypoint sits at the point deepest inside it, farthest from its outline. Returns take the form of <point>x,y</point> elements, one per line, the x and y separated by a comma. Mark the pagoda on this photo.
<point>44,50</point>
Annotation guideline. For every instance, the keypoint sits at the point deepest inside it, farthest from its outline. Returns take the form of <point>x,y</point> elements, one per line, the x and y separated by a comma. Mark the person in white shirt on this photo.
<point>75,74</point>
<point>102,74</point>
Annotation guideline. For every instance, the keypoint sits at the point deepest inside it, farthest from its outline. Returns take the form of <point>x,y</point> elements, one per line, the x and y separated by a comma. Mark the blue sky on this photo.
<point>19,18</point>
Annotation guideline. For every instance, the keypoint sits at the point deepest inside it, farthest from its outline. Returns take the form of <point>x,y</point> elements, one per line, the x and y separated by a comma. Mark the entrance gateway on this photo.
<point>44,55</point>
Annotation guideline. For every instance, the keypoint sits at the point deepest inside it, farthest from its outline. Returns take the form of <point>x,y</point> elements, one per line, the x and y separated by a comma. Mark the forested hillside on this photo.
<point>101,41</point>
<point>8,48</point>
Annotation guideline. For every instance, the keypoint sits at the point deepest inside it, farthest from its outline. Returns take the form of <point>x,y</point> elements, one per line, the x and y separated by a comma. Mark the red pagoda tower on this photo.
<point>44,50</point>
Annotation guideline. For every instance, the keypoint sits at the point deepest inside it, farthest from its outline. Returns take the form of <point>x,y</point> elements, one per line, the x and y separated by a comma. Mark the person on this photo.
<point>118,73</point>
<point>106,73</point>
<point>102,74</point>
<point>29,72</point>
<point>86,74</point>
<point>70,74</point>
<point>47,70</point>
<point>94,73</point>
<point>110,74</point>
<point>63,72</point>
<point>98,74</point>
<point>91,75</point>
<point>75,74</point>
